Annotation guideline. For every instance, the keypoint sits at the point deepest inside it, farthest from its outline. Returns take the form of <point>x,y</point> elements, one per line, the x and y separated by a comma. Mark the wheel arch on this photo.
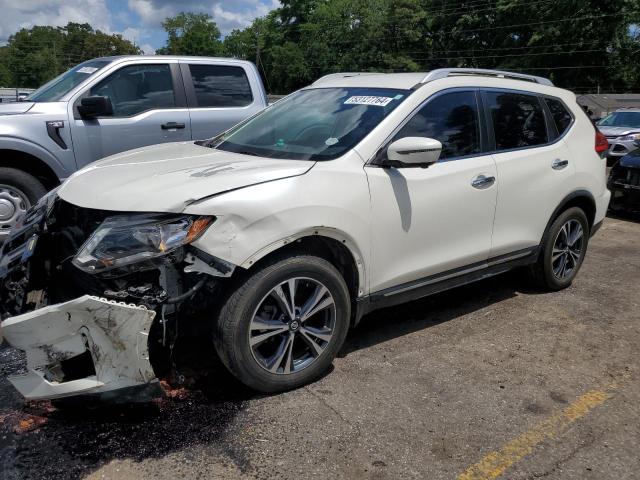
<point>579,198</point>
<point>329,244</point>
<point>30,163</point>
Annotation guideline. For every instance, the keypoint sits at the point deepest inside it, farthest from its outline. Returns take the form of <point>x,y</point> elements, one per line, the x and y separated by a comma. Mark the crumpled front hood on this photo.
<point>168,177</point>
<point>15,108</point>
<point>618,131</point>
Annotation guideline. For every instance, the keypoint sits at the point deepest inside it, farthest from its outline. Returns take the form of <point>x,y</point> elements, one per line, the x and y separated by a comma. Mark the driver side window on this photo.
<point>137,88</point>
<point>451,118</point>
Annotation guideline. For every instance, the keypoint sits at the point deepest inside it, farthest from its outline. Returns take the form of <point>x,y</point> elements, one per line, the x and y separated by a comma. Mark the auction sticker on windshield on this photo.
<point>88,70</point>
<point>368,100</point>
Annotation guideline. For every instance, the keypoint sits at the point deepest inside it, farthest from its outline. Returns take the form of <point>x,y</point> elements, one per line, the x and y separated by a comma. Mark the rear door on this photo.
<point>220,95</point>
<point>534,166</point>
<point>149,107</point>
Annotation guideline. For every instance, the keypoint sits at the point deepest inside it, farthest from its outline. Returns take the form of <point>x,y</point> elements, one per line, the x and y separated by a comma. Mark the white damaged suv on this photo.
<point>358,192</point>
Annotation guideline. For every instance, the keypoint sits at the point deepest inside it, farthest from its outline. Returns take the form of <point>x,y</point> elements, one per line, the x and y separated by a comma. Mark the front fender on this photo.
<point>254,222</point>
<point>37,151</point>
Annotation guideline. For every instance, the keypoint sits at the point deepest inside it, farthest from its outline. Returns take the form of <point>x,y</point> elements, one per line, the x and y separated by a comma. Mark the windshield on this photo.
<point>317,124</point>
<point>621,119</point>
<point>59,86</point>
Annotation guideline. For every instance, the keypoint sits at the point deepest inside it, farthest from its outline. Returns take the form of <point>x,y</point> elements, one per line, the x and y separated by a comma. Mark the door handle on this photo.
<point>171,126</point>
<point>482,182</point>
<point>559,164</point>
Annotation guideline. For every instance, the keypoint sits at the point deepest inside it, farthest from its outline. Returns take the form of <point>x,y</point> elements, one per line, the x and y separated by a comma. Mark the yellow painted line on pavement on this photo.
<point>496,463</point>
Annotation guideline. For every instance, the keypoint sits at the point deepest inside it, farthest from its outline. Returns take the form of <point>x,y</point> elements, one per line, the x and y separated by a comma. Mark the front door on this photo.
<point>429,221</point>
<point>148,108</point>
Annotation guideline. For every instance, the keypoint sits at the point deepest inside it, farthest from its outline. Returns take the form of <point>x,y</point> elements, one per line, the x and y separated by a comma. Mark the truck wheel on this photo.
<point>564,246</point>
<point>283,325</point>
<point>18,191</point>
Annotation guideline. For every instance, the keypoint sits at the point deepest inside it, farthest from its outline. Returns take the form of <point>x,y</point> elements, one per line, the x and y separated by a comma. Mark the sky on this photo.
<point>137,20</point>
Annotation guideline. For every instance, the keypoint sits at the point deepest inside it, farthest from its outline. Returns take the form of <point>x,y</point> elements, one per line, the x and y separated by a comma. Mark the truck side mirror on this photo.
<point>93,107</point>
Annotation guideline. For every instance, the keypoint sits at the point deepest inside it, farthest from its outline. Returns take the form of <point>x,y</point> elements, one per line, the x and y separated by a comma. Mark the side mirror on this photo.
<point>92,107</point>
<point>414,152</point>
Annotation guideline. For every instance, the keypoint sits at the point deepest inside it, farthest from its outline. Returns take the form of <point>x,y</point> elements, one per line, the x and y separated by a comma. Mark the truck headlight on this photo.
<point>124,240</point>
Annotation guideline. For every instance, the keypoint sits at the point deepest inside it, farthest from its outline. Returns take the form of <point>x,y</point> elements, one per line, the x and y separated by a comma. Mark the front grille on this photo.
<point>633,177</point>
<point>625,176</point>
<point>619,148</point>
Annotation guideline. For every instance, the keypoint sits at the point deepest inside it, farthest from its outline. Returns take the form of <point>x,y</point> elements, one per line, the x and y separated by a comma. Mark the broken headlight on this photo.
<point>124,240</point>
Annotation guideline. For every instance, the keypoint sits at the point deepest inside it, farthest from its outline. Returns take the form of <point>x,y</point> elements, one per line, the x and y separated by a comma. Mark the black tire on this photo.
<point>543,270</point>
<point>29,185</point>
<point>233,326</point>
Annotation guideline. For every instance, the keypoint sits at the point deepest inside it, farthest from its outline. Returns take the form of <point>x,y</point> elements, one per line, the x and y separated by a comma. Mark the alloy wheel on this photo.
<point>567,249</point>
<point>292,326</point>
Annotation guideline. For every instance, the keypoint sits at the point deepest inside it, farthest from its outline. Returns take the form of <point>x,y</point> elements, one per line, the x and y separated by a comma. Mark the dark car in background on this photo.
<point>624,183</point>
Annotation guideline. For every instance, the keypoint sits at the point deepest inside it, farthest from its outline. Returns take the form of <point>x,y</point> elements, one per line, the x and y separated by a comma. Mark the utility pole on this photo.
<point>257,45</point>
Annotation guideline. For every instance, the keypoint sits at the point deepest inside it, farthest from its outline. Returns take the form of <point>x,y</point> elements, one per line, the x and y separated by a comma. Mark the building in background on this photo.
<point>14,94</point>
<point>599,105</point>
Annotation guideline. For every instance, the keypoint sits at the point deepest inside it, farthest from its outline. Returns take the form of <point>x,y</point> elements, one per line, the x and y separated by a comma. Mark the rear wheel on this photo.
<point>18,192</point>
<point>283,326</point>
<point>563,249</point>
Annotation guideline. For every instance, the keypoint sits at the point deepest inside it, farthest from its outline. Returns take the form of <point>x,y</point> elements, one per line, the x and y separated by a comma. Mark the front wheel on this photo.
<point>18,192</point>
<point>563,250</point>
<point>281,327</point>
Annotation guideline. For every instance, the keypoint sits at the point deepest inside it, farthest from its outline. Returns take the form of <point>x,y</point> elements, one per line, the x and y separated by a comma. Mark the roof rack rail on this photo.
<point>448,72</point>
<point>331,76</point>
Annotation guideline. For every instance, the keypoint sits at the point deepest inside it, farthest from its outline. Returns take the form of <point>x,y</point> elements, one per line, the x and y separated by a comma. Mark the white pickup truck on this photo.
<point>108,105</point>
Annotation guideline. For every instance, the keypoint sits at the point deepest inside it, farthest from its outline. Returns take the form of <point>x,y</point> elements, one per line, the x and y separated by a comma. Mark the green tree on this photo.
<point>34,56</point>
<point>579,44</point>
<point>191,34</point>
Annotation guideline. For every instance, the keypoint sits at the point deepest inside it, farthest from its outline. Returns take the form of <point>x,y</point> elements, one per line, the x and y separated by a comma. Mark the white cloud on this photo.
<point>148,49</point>
<point>131,34</point>
<point>228,14</point>
<point>27,13</point>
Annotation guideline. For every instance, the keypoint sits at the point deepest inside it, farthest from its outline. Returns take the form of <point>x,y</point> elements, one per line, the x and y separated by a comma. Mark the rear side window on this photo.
<point>561,116</point>
<point>452,119</point>
<point>137,88</point>
<point>220,86</point>
<point>518,120</point>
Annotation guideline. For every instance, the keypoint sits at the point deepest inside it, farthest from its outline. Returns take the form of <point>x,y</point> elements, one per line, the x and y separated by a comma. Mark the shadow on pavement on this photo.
<point>38,441</point>
<point>393,322</point>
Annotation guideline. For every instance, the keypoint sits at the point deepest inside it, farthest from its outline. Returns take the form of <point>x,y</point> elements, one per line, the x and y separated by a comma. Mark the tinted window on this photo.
<point>220,86</point>
<point>561,116</point>
<point>137,88</point>
<point>518,120</point>
<point>452,119</point>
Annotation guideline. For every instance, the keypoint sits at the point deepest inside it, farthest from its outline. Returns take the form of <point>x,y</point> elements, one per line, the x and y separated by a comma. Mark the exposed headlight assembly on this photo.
<point>124,240</point>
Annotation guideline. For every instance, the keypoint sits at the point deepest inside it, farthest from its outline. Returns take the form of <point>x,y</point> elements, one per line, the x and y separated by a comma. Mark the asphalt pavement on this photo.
<point>492,380</point>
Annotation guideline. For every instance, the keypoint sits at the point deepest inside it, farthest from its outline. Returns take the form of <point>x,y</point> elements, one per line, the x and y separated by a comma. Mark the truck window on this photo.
<point>220,86</point>
<point>137,88</point>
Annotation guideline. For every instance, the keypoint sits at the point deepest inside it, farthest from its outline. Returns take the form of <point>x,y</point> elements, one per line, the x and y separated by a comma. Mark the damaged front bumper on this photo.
<point>84,346</point>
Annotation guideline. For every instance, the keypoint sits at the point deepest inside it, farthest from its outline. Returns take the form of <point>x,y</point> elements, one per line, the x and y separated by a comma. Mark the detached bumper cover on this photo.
<point>111,337</point>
